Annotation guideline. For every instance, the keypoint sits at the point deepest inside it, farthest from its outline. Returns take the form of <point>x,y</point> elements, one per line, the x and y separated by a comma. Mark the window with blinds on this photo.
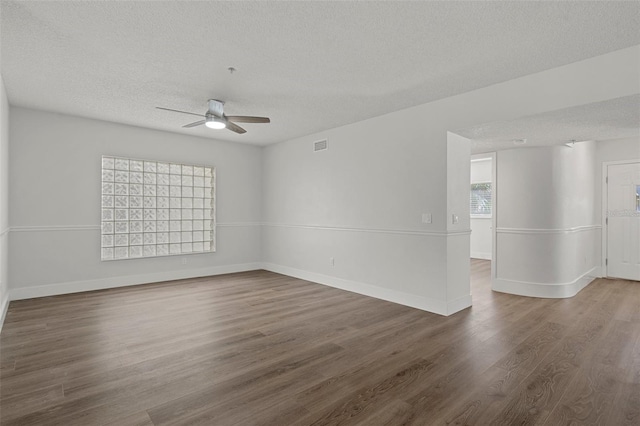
<point>481,202</point>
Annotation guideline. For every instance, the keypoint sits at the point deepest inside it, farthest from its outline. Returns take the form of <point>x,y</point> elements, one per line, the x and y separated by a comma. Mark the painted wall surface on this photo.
<point>547,235</point>
<point>4,202</point>
<point>481,232</point>
<point>55,203</point>
<point>368,191</point>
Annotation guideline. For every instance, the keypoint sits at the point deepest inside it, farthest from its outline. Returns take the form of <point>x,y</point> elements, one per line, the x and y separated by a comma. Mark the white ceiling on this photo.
<point>612,119</point>
<point>309,66</point>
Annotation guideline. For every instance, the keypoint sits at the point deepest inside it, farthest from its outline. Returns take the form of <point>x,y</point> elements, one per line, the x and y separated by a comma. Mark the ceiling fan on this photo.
<point>215,118</point>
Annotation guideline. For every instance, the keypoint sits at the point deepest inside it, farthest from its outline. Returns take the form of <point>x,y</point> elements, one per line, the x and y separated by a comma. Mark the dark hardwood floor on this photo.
<point>259,348</point>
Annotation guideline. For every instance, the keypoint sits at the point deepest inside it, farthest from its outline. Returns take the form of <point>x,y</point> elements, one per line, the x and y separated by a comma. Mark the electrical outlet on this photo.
<point>332,261</point>
<point>426,217</point>
<point>184,260</point>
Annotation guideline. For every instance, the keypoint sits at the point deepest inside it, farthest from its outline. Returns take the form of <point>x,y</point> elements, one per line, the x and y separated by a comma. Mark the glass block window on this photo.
<point>480,203</point>
<point>153,208</point>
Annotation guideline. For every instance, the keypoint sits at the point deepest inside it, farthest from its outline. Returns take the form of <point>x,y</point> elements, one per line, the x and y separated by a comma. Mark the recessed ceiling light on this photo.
<point>519,141</point>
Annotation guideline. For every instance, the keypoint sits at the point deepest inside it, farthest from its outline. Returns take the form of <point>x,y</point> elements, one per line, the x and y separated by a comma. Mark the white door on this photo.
<point>623,227</point>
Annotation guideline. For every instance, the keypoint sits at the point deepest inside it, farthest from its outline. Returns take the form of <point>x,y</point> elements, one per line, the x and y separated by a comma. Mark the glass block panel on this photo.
<point>122,177</point>
<point>121,164</point>
<point>108,175</point>
<point>107,188</point>
<point>149,178</point>
<point>135,189</point>
<point>107,214</point>
<point>121,253</point>
<point>107,228</point>
<point>136,165</point>
<point>135,214</point>
<point>107,201</point>
<point>121,201</point>
<point>163,179</point>
<point>148,208</point>
<point>136,239</point>
<point>121,239</point>
<point>162,202</point>
<point>135,202</point>
<point>162,214</point>
<point>122,227</point>
<point>175,169</point>
<point>149,214</point>
<point>107,241</point>
<point>107,253</point>
<point>175,191</point>
<point>136,177</point>
<point>175,180</point>
<point>135,251</point>
<point>149,202</point>
<point>135,226</point>
<point>150,166</point>
<point>150,190</point>
<point>122,214</point>
<point>162,191</point>
<point>108,163</point>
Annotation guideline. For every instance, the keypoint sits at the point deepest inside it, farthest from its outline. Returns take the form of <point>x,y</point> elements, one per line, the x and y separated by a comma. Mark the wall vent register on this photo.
<point>320,145</point>
<point>154,208</point>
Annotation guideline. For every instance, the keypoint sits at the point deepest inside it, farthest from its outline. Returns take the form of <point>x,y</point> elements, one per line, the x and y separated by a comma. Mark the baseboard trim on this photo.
<point>4,307</point>
<point>411,300</point>
<point>127,280</point>
<point>459,304</point>
<point>545,290</point>
<point>480,255</point>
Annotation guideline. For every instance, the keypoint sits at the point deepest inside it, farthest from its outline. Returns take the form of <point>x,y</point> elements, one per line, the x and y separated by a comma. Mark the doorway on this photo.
<point>622,220</point>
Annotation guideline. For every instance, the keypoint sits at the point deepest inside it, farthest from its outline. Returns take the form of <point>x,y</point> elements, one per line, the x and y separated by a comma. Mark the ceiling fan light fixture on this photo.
<point>215,123</point>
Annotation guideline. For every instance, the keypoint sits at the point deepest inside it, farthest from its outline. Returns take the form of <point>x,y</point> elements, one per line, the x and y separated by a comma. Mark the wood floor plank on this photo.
<point>258,348</point>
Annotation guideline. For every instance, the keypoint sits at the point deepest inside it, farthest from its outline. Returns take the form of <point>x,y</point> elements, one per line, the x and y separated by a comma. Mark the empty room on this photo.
<point>319,213</point>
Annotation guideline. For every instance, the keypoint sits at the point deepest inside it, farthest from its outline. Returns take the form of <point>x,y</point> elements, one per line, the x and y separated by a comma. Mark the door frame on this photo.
<point>605,207</point>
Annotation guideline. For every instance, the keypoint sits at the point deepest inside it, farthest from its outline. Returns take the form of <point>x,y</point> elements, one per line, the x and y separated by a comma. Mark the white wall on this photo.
<point>481,232</point>
<point>547,235</point>
<point>361,201</point>
<point>55,203</point>
<point>4,202</point>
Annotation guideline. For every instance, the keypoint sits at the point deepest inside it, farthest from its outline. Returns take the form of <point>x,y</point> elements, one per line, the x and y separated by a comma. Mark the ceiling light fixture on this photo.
<point>214,122</point>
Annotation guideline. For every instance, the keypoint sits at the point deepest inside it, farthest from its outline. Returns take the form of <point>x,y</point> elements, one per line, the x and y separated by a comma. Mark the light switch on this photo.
<point>426,217</point>
<point>454,219</point>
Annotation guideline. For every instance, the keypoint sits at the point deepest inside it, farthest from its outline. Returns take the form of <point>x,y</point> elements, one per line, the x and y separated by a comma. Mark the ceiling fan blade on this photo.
<point>197,123</point>
<point>184,112</point>
<point>235,128</point>
<point>247,119</point>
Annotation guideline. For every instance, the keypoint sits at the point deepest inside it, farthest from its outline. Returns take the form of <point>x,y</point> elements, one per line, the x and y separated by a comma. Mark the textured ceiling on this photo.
<point>612,119</point>
<point>309,66</point>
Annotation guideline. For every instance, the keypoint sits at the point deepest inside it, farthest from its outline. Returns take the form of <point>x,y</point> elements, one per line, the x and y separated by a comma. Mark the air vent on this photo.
<point>320,145</point>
